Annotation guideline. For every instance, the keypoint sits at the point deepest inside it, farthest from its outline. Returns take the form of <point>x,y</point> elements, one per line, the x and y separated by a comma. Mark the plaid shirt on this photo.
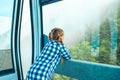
<point>46,62</point>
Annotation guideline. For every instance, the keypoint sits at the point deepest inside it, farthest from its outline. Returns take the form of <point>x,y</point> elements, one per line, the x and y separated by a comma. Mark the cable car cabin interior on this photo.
<point>92,35</point>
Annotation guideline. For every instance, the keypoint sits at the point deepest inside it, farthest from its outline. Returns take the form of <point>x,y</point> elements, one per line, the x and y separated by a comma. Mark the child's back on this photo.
<point>46,62</point>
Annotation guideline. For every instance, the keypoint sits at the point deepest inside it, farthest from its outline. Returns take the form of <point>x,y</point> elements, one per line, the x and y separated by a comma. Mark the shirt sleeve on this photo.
<point>64,52</point>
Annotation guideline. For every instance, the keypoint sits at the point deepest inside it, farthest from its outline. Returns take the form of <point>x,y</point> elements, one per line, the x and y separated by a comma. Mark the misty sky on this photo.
<point>75,15</point>
<point>6,8</point>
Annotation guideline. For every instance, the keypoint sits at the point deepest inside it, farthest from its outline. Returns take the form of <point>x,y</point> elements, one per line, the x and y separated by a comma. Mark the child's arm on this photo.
<point>64,52</point>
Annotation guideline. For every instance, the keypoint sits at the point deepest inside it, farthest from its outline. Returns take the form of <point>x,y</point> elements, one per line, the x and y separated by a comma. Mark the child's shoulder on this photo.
<point>55,42</point>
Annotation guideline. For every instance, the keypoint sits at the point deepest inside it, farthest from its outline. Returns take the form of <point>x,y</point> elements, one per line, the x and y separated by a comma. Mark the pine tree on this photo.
<point>105,43</point>
<point>118,40</point>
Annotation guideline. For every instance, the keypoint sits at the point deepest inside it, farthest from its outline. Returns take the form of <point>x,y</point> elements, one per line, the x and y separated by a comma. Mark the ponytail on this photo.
<point>56,34</point>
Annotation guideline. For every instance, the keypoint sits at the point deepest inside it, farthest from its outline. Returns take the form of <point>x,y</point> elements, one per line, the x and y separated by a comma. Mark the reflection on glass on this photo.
<point>6,7</point>
<point>92,28</point>
<point>26,38</point>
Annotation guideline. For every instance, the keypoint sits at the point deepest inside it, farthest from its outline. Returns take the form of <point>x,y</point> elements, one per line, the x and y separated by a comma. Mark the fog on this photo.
<point>5,32</point>
<point>75,16</point>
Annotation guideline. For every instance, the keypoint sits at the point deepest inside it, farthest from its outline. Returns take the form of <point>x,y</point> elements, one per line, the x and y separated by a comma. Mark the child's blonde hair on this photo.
<point>56,34</point>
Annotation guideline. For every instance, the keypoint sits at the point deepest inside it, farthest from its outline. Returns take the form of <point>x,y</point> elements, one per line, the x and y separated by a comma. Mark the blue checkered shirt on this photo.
<point>46,62</point>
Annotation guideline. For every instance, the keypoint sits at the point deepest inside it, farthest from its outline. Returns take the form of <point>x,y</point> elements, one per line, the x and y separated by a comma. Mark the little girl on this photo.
<point>46,62</point>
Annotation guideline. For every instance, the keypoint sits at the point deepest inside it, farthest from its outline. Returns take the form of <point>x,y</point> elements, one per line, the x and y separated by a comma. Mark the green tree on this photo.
<point>82,51</point>
<point>88,33</point>
<point>118,40</point>
<point>105,42</point>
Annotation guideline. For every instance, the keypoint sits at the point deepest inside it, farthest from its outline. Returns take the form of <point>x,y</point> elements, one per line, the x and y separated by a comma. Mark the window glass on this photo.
<point>26,38</point>
<point>92,28</point>
<point>6,8</point>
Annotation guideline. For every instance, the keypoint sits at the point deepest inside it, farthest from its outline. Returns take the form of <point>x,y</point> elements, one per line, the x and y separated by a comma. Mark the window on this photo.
<point>26,38</point>
<point>92,28</point>
<point>6,60</point>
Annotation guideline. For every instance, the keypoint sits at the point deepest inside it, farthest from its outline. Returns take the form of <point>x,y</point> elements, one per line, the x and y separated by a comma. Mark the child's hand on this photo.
<point>61,60</point>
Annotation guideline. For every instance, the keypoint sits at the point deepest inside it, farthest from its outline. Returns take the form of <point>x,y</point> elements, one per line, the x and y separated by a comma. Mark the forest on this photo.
<point>101,45</point>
